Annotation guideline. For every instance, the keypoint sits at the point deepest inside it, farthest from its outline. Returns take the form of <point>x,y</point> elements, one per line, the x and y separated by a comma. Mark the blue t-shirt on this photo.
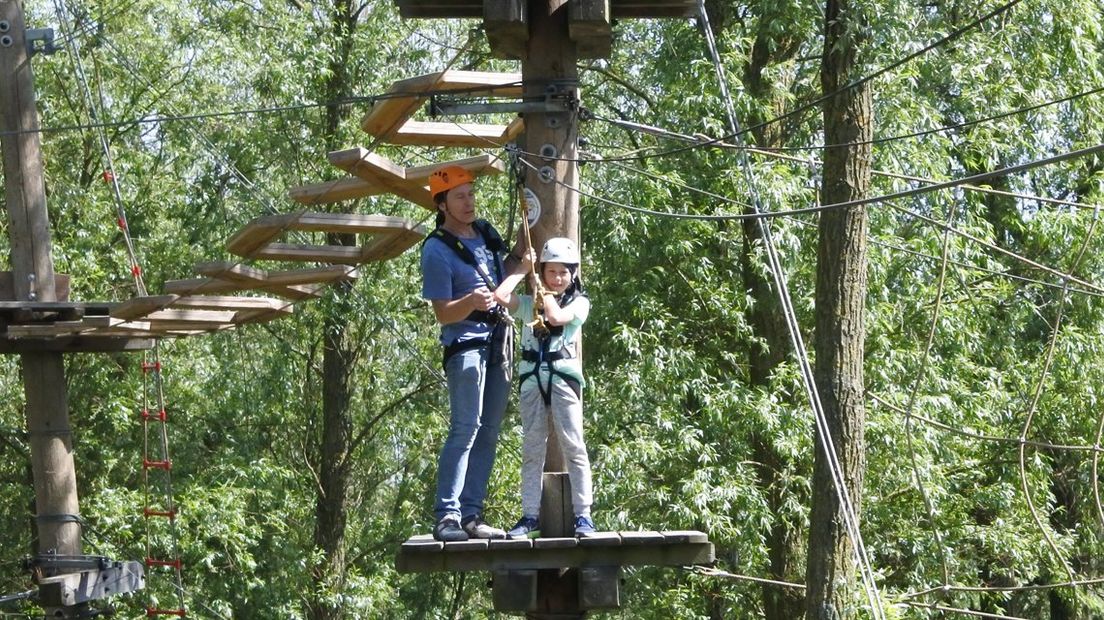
<point>445,276</point>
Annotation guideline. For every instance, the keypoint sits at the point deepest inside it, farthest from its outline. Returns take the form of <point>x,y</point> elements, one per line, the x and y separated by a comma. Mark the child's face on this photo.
<point>556,276</point>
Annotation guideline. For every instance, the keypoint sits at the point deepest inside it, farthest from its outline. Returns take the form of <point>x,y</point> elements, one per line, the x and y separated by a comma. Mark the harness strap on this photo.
<point>463,345</point>
<point>545,357</point>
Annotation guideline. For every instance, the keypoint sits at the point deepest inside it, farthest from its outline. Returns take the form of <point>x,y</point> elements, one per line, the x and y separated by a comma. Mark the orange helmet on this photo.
<point>447,177</point>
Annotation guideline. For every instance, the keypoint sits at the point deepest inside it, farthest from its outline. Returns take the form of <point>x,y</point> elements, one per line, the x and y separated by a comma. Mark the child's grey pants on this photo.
<point>567,416</point>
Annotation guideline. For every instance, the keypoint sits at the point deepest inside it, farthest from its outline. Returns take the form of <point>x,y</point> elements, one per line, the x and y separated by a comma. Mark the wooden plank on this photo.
<point>589,26</point>
<point>385,247</point>
<point>352,223</point>
<point>684,536</point>
<point>641,538</point>
<point>314,253</point>
<point>507,543</point>
<point>313,275</point>
<point>466,546</point>
<point>435,133</point>
<point>507,27</point>
<point>232,271</point>
<point>258,232</point>
<point>601,539</point>
<point>262,316</point>
<point>422,543</point>
<point>326,192</point>
<point>388,114</point>
<point>192,286</point>
<point>555,543</point>
<point>198,317</point>
<point>234,303</point>
<point>76,344</point>
<point>141,306</point>
<point>388,174</point>
<point>478,165</point>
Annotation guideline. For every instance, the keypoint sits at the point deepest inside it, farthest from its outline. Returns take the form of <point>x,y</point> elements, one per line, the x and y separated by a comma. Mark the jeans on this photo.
<point>477,399</point>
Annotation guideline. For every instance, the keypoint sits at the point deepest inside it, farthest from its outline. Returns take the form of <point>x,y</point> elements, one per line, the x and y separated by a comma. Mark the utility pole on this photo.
<point>55,480</point>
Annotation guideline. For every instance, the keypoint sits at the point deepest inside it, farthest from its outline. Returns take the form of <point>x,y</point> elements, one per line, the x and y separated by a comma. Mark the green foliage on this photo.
<point>676,429</point>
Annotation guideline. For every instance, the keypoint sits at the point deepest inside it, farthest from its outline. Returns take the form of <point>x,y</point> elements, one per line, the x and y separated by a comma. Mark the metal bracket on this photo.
<point>44,35</point>
<point>554,101</point>
<point>84,578</point>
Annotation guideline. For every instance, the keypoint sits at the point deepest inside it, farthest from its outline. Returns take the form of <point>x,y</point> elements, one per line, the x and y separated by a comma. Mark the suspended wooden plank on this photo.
<point>345,254</point>
<point>227,303</point>
<point>191,316</point>
<point>387,247</point>
<point>141,306</point>
<point>378,169</point>
<point>313,275</point>
<point>478,165</point>
<point>380,226</point>
<point>348,188</point>
<point>436,133</point>
<point>259,232</point>
<point>215,286</point>
<point>406,96</point>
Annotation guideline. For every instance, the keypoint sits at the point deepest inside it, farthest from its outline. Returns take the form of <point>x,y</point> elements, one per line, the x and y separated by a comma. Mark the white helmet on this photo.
<point>560,250</point>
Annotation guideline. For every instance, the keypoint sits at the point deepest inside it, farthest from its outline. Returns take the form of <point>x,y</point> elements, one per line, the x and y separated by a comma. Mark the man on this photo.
<point>461,266</point>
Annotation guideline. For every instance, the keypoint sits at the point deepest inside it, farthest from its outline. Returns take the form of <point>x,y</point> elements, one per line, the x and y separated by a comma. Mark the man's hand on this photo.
<point>481,299</point>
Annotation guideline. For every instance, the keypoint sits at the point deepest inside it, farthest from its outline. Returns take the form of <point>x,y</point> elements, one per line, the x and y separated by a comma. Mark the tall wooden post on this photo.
<point>549,68</point>
<point>44,384</point>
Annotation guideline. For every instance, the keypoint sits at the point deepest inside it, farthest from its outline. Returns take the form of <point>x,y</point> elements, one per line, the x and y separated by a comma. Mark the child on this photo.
<point>551,382</point>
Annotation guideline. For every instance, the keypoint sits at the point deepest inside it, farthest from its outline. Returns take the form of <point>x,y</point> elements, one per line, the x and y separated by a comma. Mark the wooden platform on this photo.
<point>129,325</point>
<point>421,554</point>
<point>373,174</point>
<point>390,117</point>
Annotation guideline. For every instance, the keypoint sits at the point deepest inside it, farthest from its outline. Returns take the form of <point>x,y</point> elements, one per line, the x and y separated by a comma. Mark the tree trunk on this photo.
<point>840,305</point>
<point>335,450</point>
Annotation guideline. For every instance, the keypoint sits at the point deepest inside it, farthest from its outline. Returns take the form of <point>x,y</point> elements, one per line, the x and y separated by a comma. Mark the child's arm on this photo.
<point>504,294</point>
<point>554,314</point>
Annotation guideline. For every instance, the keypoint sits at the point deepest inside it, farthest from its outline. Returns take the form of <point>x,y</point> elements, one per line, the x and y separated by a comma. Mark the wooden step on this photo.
<point>470,135</point>
<point>406,96</point>
<point>257,240</point>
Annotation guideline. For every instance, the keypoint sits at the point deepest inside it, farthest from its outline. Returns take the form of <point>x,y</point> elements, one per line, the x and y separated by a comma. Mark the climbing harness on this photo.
<point>500,342</point>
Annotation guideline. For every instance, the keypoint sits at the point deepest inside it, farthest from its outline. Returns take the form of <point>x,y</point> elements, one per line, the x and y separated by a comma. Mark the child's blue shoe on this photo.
<point>527,527</point>
<point>584,526</point>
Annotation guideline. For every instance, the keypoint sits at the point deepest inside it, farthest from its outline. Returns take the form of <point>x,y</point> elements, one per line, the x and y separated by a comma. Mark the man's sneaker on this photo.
<point>448,530</point>
<point>527,527</point>
<point>477,528</point>
<point>584,527</point>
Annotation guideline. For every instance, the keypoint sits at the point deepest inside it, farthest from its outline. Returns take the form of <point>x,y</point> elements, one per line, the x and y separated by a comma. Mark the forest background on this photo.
<point>304,450</point>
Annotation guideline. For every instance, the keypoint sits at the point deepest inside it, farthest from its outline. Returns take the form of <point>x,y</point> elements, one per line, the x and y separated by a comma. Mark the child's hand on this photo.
<point>528,258</point>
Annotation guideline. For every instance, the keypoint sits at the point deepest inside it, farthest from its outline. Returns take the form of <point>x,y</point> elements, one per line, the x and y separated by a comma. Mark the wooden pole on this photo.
<point>550,63</point>
<point>549,66</point>
<point>44,382</point>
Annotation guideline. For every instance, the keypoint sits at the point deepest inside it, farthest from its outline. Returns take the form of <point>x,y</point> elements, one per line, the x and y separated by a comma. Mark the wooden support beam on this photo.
<point>588,24</point>
<point>75,344</point>
<point>506,23</point>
